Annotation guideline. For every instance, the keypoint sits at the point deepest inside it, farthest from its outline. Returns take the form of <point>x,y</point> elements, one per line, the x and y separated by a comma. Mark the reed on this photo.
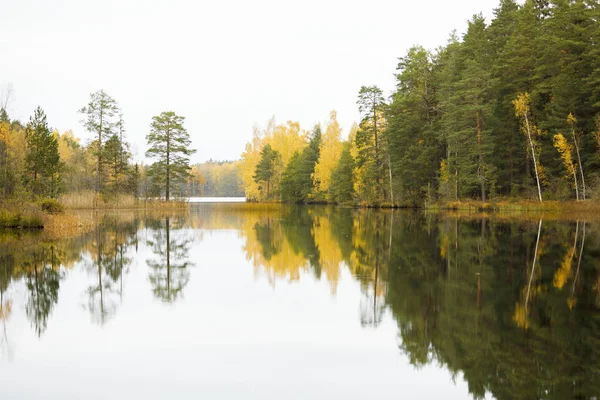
<point>90,200</point>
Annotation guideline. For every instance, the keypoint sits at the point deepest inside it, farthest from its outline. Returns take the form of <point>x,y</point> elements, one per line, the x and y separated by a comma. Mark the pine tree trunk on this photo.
<point>390,173</point>
<point>480,168</point>
<point>99,166</point>
<point>168,165</point>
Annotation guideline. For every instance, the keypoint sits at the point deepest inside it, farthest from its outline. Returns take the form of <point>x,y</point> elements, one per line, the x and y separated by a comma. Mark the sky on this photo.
<point>225,66</point>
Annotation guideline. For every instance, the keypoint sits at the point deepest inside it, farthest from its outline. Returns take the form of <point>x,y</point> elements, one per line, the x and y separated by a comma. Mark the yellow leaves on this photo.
<point>330,151</point>
<point>541,172</point>
<point>196,177</point>
<point>330,255</point>
<point>521,317</point>
<point>562,275</point>
<point>565,150</point>
<point>5,133</point>
<point>5,310</point>
<point>523,112</point>
<point>250,158</point>
<point>521,104</point>
<point>286,139</point>
<point>66,146</point>
<point>280,261</point>
<point>444,174</point>
<point>444,246</point>
<point>571,120</point>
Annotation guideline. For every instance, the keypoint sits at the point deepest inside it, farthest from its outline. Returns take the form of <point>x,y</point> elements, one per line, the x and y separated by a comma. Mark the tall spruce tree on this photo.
<point>42,161</point>
<point>467,105</point>
<point>169,143</point>
<point>413,126</point>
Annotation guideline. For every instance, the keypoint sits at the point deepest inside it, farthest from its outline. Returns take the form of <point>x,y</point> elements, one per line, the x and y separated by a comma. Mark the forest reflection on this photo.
<point>512,305</point>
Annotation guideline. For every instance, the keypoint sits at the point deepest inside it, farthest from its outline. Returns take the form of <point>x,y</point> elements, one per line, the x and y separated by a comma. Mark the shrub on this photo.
<point>10,219</point>
<point>52,206</point>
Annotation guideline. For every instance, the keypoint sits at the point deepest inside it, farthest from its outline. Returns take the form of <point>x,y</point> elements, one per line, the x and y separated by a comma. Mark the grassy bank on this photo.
<point>588,210</point>
<point>48,216</point>
<point>590,206</point>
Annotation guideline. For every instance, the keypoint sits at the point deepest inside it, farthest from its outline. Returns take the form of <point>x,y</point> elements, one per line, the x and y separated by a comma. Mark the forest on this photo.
<point>509,110</point>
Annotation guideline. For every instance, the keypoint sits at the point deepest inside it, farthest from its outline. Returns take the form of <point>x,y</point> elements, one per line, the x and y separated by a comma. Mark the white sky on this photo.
<point>224,65</point>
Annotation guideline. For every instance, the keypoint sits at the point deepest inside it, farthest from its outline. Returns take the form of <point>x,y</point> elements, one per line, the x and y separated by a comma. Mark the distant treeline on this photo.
<point>216,179</point>
<point>511,109</point>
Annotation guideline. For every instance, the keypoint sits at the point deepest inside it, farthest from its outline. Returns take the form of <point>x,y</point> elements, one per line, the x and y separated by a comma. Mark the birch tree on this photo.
<point>523,112</point>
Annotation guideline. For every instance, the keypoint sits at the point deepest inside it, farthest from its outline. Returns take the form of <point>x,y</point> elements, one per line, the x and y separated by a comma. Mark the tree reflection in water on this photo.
<point>169,271</point>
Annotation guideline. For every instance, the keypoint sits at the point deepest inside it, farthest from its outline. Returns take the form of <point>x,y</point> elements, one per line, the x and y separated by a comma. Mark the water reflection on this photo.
<point>169,272</point>
<point>511,306</point>
<point>107,263</point>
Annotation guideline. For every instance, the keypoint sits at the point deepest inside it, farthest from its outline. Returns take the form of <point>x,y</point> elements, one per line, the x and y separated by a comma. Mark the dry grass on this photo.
<point>81,200</point>
<point>64,226</point>
<point>90,200</point>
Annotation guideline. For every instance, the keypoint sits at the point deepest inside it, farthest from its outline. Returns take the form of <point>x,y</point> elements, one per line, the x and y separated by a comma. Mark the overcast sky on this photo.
<point>224,65</point>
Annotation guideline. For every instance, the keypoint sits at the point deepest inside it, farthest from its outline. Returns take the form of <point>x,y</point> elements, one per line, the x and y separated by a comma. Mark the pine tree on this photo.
<point>42,161</point>
<point>169,143</point>
<point>467,104</point>
<point>266,168</point>
<point>308,161</point>
<point>100,114</point>
<point>413,126</point>
<point>372,150</point>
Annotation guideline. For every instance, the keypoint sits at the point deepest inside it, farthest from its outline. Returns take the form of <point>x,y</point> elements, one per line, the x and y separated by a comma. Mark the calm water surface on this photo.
<point>231,301</point>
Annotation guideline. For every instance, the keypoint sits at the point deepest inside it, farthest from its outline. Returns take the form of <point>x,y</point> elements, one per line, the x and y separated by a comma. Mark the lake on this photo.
<point>237,300</point>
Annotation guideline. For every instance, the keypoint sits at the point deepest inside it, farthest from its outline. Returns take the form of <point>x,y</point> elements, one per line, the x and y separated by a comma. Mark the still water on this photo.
<point>230,301</point>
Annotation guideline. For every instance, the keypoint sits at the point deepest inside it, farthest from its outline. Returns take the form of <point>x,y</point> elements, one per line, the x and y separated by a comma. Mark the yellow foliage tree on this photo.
<point>286,139</point>
<point>250,158</point>
<point>329,155</point>
<point>523,112</point>
<point>566,154</point>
